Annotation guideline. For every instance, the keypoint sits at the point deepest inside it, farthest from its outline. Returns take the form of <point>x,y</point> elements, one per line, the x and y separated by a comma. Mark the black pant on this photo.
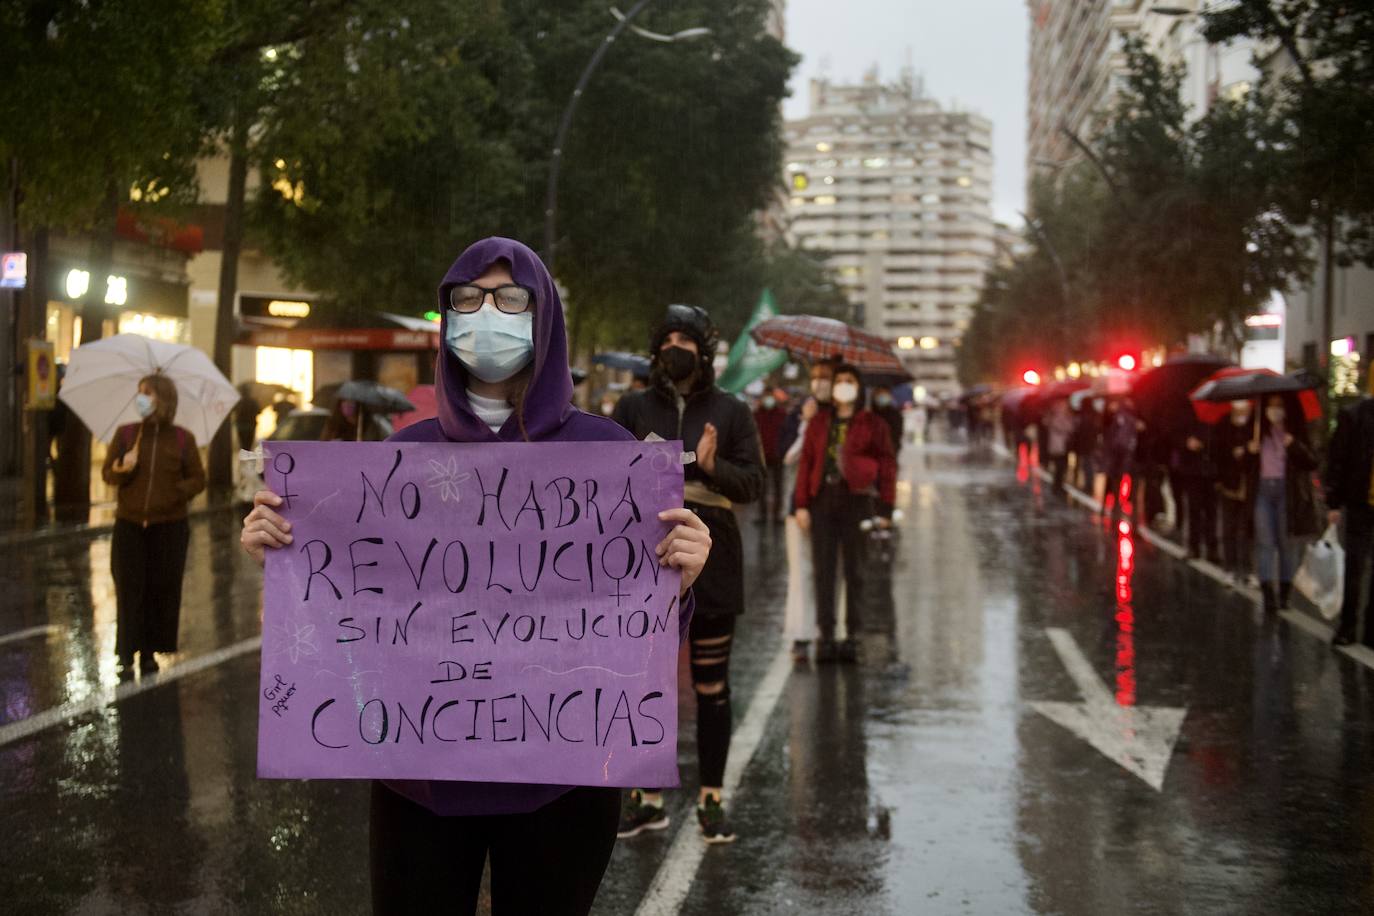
<point>1359,544</point>
<point>711,637</point>
<point>771,505</point>
<point>835,517</point>
<point>1196,500</point>
<point>1149,486</point>
<point>1237,518</point>
<point>148,565</point>
<point>1060,467</point>
<point>549,861</point>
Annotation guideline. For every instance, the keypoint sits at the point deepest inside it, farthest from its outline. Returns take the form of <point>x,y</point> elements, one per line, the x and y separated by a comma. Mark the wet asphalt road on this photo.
<point>926,780</point>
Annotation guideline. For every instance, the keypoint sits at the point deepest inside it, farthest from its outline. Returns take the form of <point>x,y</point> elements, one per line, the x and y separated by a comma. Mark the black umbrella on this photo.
<point>1161,394</point>
<point>977,391</point>
<point>631,362</point>
<point>1260,384</point>
<point>373,396</point>
<point>885,379</point>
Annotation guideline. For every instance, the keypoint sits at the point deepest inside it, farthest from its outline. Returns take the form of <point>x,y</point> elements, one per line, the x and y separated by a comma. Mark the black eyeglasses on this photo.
<point>510,298</point>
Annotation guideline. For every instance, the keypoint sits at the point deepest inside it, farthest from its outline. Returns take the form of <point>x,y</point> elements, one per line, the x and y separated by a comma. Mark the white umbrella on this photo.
<point>103,375</point>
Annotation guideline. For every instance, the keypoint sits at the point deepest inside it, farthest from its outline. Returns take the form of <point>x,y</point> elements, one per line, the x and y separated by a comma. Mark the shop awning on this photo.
<point>394,332</point>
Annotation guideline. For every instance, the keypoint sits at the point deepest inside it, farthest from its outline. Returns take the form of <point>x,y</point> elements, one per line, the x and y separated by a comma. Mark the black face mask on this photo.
<point>678,362</point>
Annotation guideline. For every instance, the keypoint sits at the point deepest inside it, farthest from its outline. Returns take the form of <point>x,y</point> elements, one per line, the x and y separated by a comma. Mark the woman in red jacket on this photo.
<point>848,472</point>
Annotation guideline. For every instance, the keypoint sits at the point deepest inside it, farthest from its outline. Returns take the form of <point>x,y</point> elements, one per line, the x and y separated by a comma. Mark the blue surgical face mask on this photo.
<point>491,344</point>
<point>144,404</point>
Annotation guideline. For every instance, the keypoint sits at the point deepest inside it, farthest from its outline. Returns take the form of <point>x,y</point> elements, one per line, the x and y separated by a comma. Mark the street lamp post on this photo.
<point>623,21</point>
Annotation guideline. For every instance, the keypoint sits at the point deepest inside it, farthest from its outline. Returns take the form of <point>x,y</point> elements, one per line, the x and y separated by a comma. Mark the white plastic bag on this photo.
<point>1322,574</point>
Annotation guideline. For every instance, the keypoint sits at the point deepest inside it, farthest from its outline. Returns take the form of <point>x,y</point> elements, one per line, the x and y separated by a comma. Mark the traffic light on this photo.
<point>1126,362</point>
<point>1030,377</point>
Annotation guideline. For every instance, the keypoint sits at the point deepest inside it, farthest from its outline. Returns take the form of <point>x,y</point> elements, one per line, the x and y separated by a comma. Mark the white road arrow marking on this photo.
<point>1139,738</point>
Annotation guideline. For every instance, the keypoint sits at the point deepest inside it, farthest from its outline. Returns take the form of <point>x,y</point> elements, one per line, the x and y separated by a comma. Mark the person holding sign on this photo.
<point>683,402</point>
<point>156,467</point>
<point>501,377</point>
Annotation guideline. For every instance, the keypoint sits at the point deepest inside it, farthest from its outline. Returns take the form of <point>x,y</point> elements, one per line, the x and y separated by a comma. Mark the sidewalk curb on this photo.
<point>1301,620</point>
<point>62,532</point>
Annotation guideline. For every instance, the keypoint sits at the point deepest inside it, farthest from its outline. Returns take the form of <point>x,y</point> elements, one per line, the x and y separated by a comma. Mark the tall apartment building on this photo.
<point>898,192</point>
<point>1070,80</point>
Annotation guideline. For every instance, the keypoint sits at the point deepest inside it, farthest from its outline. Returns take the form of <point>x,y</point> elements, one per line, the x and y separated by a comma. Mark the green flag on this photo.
<point>749,360</point>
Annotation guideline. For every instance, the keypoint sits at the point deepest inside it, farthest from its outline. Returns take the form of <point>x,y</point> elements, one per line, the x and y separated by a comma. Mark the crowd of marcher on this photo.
<point>1239,483</point>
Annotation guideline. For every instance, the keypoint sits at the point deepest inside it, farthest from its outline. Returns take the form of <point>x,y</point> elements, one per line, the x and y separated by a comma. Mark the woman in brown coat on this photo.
<point>156,468</point>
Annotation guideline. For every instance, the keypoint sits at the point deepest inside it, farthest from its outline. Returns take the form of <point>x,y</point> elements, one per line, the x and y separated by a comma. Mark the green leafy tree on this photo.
<point>346,107</point>
<point>98,115</point>
<point>1195,236</point>
<point>673,150</point>
<point>1319,82</point>
<point>375,176</point>
<point>1166,227</point>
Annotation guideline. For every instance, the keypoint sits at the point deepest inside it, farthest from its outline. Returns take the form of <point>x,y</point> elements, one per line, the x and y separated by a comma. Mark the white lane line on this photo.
<point>674,879</point>
<point>1362,655</point>
<point>1172,549</point>
<point>31,631</point>
<point>14,731</point>
<point>1311,625</point>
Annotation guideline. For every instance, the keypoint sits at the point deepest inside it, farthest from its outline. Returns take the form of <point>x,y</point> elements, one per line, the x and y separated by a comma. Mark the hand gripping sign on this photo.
<point>482,612</point>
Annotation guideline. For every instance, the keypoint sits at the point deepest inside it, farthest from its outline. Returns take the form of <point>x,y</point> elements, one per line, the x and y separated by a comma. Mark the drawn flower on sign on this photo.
<point>446,479</point>
<point>299,640</point>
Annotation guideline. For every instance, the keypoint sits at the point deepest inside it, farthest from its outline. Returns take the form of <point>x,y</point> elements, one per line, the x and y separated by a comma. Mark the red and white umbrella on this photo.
<point>813,338</point>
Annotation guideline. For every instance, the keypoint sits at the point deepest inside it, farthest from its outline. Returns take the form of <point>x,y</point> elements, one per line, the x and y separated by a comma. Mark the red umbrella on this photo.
<point>1056,391</point>
<point>809,337</point>
<point>1213,411</point>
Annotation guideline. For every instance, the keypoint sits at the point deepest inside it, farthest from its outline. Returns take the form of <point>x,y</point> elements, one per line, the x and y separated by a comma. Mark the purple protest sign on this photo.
<point>491,612</point>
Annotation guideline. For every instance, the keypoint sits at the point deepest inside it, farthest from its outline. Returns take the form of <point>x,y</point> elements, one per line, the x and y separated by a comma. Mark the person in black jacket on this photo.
<point>890,413</point>
<point>1193,476</point>
<point>822,378</point>
<point>1350,490</point>
<point>683,402</point>
<point>1236,478</point>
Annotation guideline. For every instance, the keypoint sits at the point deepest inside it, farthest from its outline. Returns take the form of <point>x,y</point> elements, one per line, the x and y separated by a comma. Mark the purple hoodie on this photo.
<point>549,416</point>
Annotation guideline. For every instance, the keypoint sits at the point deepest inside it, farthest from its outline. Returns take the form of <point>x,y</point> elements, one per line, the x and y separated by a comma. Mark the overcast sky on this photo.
<point>971,53</point>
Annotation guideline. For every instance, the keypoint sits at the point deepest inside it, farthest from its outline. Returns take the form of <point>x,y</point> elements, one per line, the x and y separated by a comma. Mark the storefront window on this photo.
<point>293,369</point>
<point>63,330</point>
<point>155,327</point>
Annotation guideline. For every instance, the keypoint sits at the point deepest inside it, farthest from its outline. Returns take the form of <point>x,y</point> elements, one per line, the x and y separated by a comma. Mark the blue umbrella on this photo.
<point>631,362</point>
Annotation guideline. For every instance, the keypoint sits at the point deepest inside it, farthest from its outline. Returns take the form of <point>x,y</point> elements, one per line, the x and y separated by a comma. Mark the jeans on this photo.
<point>1271,531</point>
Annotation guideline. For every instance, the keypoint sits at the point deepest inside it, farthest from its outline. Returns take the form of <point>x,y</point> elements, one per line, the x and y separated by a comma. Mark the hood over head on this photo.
<point>696,323</point>
<point>548,398</point>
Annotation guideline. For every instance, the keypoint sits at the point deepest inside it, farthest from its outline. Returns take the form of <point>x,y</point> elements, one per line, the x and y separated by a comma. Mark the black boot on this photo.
<point>1271,601</point>
<point>1285,593</point>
